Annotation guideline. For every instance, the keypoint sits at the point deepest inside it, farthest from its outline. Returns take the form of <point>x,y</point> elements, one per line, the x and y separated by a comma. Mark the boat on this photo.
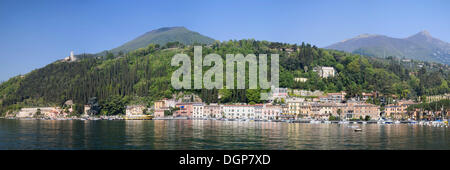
<point>388,121</point>
<point>343,122</point>
<point>397,122</point>
<point>315,121</point>
<point>358,130</point>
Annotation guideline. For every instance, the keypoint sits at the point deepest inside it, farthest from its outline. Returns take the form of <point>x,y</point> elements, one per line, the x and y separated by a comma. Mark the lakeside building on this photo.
<point>299,92</point>
<point>419,114</point>
<point>398,110</point>
<point>69,104</point>
<point>164,103</point>
<point>333,97</point>
<point>300,108</point>
<point>324,72</point>
<point>285,112</point>
<point>137,112</point>
<point>356,110</point>
<point>87,108</point>
<point>322,110</point>
<point>52,112</point>
<point>197,111</point>
<point>159,104</point>
<point>436,98</point>
<point>133,110</point>
<point>170,103</point>
<point>185,110</point>
<point>258,111</point>
<point>212,110</point>
<point>159,113</point>
<point>271,112</point>
<point>239,111</point>
<point>367,96</point>
<point>278,94</point>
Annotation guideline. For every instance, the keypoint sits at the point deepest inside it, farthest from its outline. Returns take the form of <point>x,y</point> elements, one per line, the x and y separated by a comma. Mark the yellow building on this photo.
<point>398,110</point>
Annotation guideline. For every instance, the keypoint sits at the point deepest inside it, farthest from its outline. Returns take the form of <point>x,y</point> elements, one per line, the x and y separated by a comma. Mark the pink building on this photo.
<point>185,110</point>
<point>159,113</point>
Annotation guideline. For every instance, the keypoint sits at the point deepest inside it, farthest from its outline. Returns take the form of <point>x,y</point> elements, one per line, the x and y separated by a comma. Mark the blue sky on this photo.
<point>35,33</point>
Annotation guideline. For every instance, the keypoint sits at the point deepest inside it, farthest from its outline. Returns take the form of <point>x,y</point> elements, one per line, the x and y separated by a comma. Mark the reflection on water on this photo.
<point>205,134</point>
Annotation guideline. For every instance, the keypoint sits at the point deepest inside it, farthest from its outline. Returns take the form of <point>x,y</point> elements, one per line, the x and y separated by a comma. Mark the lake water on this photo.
<point>208,134</point>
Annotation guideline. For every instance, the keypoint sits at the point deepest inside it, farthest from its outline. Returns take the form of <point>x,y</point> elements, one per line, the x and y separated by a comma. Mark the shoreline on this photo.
<point>303,121</point>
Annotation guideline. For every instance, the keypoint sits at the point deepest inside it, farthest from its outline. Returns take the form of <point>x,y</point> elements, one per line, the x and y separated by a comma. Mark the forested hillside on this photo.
<point>143,75</point>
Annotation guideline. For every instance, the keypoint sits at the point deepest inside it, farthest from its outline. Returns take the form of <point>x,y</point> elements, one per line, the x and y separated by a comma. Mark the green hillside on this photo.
<point>144,75</point>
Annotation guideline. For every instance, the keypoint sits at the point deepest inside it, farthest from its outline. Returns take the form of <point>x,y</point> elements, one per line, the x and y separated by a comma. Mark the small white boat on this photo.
<point>358,130</point>
<point>343,122</point>
<point>315,121</point>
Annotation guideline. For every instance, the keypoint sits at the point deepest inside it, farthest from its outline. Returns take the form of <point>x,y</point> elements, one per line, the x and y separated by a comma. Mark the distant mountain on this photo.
<point>162,36</point>
<point>421,46</point>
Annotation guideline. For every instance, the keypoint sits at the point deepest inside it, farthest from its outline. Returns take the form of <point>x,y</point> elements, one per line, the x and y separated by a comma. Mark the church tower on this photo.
<point>72,58</point>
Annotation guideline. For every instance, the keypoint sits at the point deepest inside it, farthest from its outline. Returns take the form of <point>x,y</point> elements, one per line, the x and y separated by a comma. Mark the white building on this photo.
<point>71,57</point>
<point>44,111</point>
<point>333,97</point>
<point>300,92</point>
<point>258,111</point>
<point>300,79</point>
<point>325,72</point>
<point>239,111</point>
<point>198,111</point>
<point>271,112</point>
<point>133,110</point>
<point>170,103</point>
<point>278,93</point>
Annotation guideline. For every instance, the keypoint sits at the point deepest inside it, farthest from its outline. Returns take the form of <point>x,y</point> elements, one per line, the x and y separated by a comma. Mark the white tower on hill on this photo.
<point>71,56</point>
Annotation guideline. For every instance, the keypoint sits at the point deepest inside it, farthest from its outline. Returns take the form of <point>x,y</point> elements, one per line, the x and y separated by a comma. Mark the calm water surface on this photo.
<point>206,134</point>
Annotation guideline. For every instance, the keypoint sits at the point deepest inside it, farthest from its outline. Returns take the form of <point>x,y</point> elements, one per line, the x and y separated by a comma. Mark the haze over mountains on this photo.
<point>421,46</point>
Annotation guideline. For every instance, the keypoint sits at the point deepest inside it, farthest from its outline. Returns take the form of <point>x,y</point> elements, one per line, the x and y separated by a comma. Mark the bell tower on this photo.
<point>72,58</point>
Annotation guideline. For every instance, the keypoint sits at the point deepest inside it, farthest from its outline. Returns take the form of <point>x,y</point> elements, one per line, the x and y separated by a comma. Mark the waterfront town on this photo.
<point>283,105</point>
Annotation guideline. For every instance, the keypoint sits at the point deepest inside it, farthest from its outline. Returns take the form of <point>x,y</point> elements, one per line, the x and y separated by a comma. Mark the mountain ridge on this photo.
<point>420,46</point>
